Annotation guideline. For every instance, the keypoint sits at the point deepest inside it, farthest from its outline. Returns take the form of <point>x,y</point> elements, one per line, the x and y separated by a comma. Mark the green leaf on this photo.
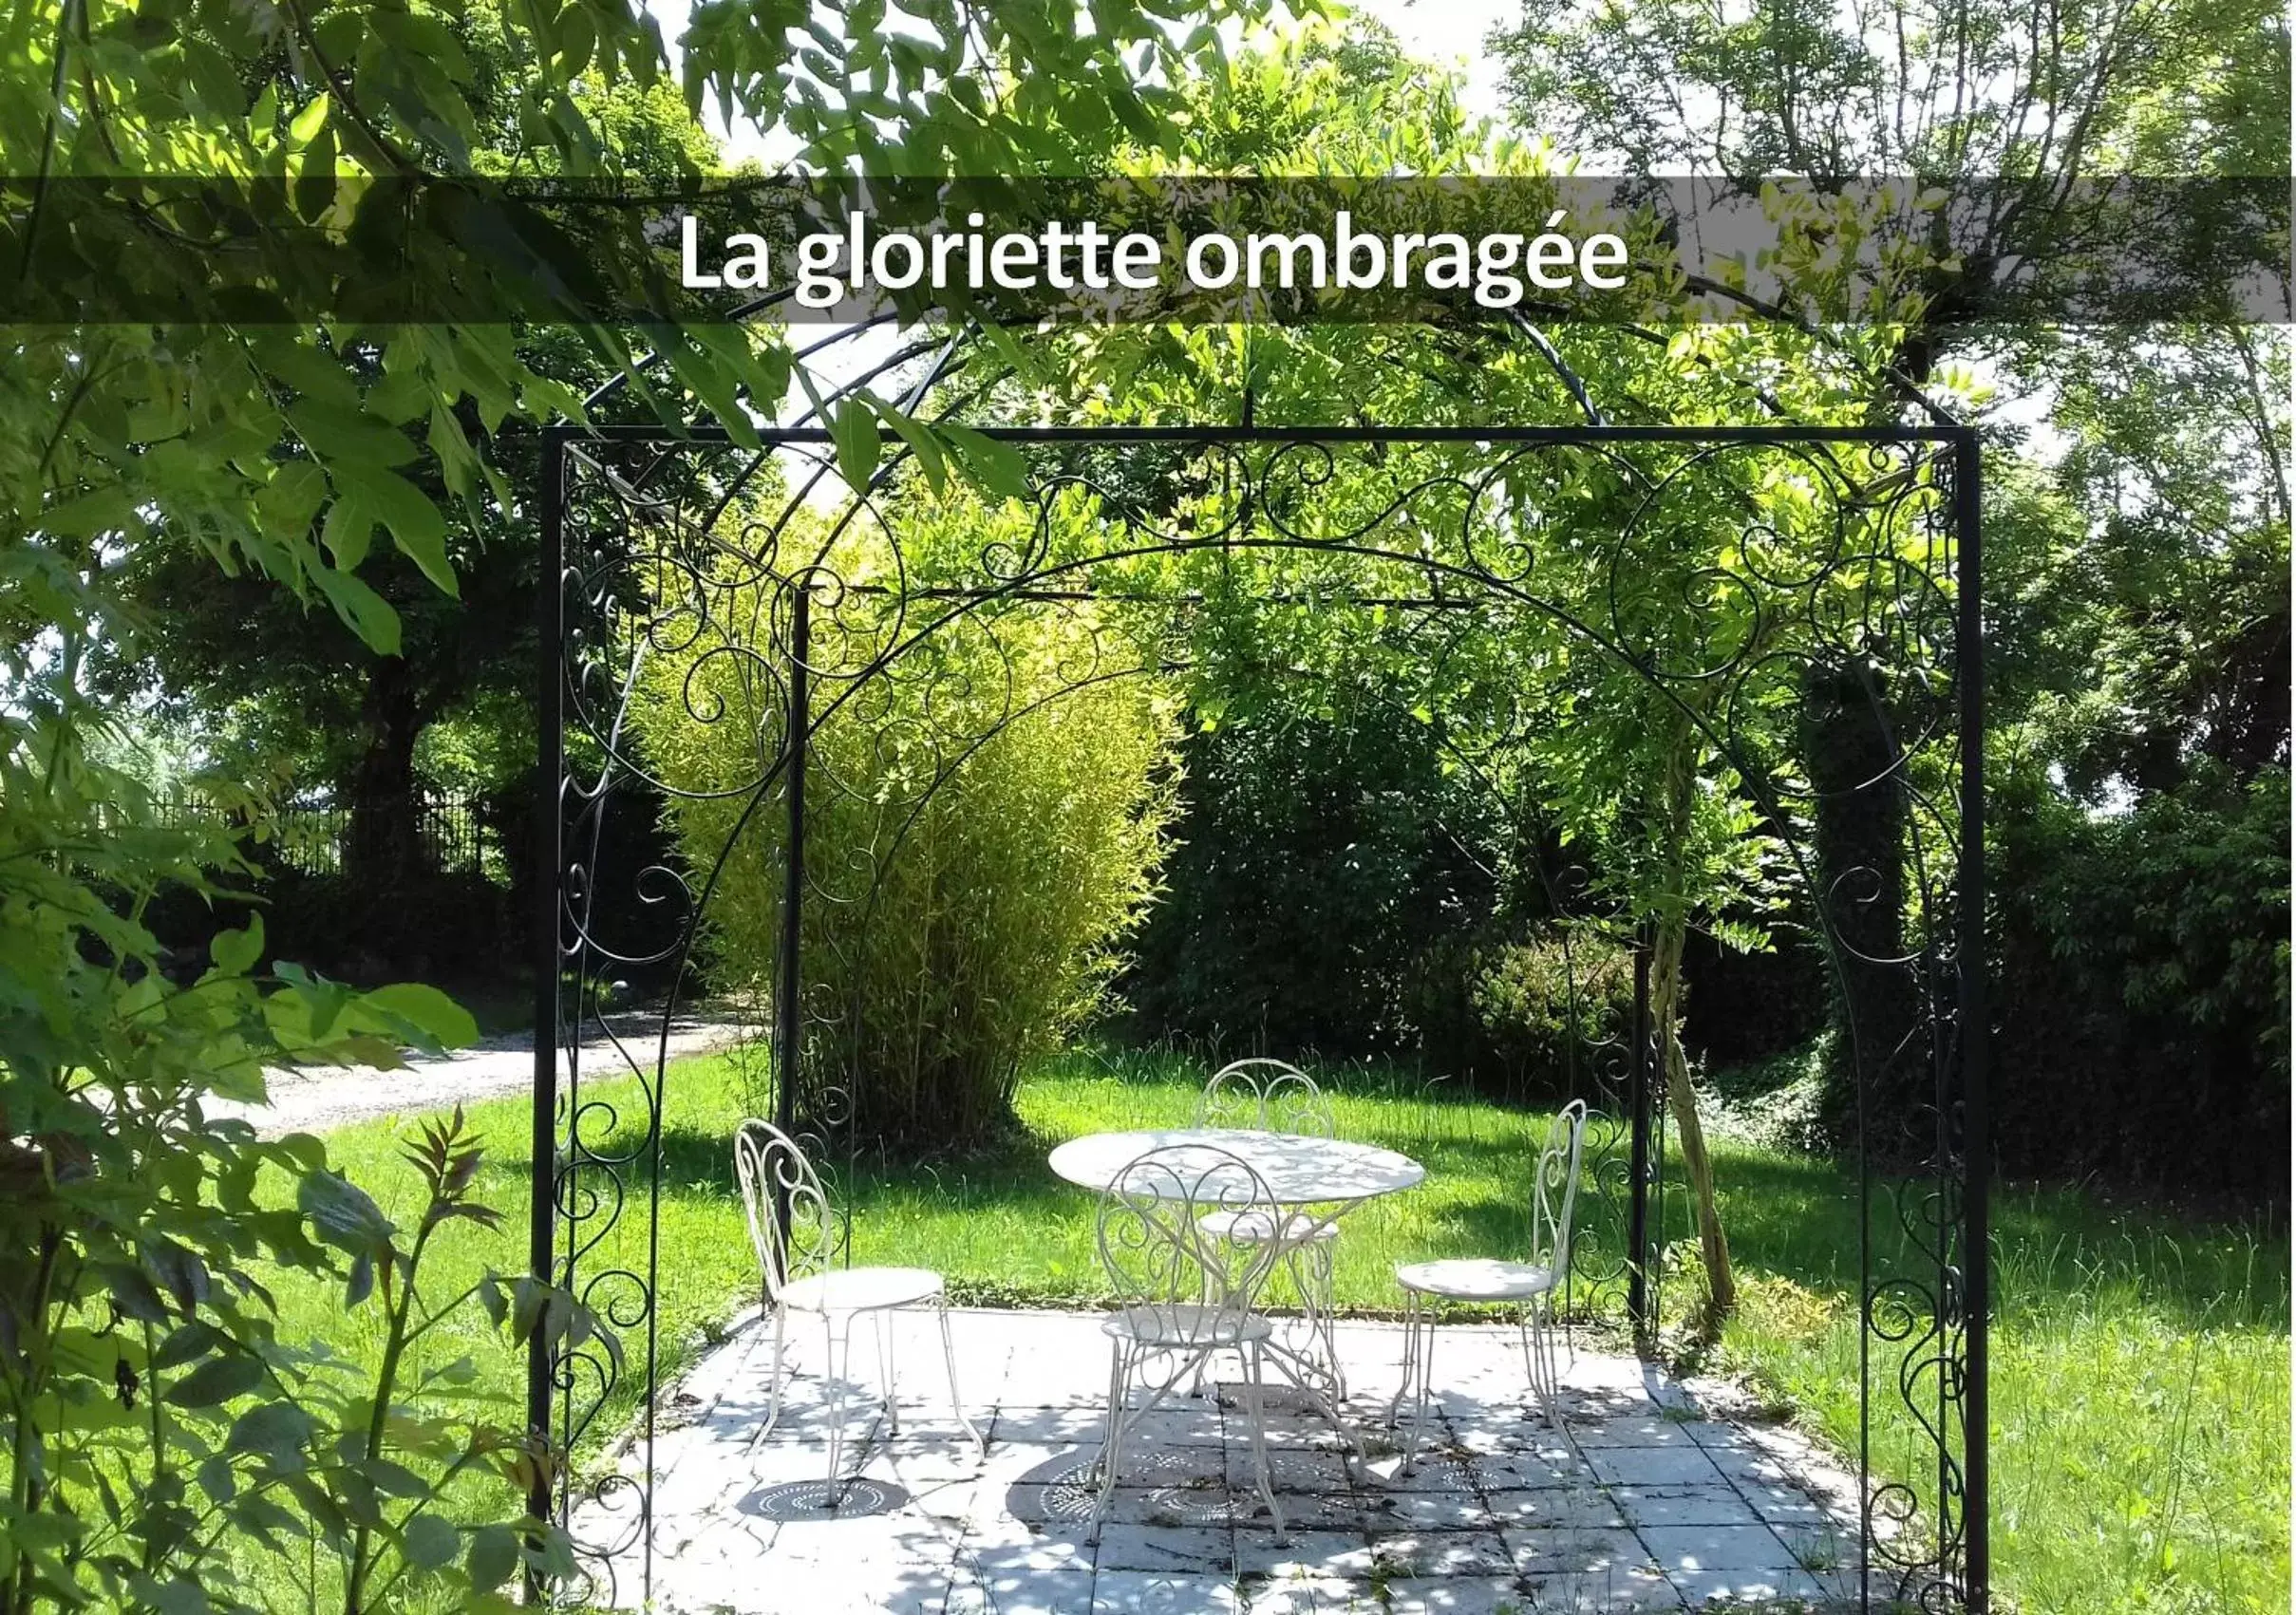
<point>536,1305</point>
<point>346,439</point>
<point>853,427</point>
<point>429,1542</point>
<point>363,611</point>
<point>276,1430</point>
<point>216,1479</point>
<point>236,952</point>
<point>554,1557</point>
<point>177,1597</point>
<point>133,1292</point>
<point>42,1531</point>
<point>494,1556</point>
<point>343,1214</point>
<point>996,468</point>
<point>360,1283</point>
<point>452,446</point>
<point>393,1479</point>
<point>346,531</point>
<point>218,1380</point>
<point>103,511</point>
<point>194,1341</point>
<point>355,1495</point>
<point>263,1519</point>
<point>180,1270</point>
<point>921,442</point>
<point>438,1019</point>
<point>325,1509</point>
<point>306,124</point>
<point>416,526</point>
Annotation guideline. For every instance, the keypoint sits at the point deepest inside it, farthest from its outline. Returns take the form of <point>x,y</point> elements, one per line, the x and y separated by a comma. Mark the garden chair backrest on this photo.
<point>1269,1095</point>
<point>1554,1192</point>
<point>794,1229</point>
<point>1160,1256</point>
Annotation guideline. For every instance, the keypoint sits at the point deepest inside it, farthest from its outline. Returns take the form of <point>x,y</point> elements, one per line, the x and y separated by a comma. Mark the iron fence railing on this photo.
<point>311,835</point>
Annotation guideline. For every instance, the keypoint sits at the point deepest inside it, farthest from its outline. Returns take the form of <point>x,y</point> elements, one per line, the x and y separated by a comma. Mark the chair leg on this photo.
<point>1115,1390</point>
<point>1257,1414</point>
<point>1196,1386</point>
<point>1312,1272</point>
<point>1402,1389</point>
<point>1318,1374</point>
<point>1112,1442</point>
<point>1328,1406</point>
<point>1353,1436</point>
<point>956,1403</point>
<point>1527,1337</point>
<point>1422,1358</point>
<point>773,1391</point>
<point>1546,1378</point>
<point>885,1368</point>
<point>838,1339</point>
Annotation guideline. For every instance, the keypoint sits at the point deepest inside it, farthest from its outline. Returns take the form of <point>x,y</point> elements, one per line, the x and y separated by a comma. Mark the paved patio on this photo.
<point>1667,1508</point>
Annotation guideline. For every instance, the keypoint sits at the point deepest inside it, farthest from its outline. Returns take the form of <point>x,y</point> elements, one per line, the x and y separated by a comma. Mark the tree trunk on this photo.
<point>1878,1068</point>
<point>1665,1008</point>
<point>1690,1133</point>
<point>382,844</point>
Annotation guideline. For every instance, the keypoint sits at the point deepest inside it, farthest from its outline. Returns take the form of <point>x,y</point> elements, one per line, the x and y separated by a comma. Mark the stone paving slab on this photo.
<point>1647,1506</point>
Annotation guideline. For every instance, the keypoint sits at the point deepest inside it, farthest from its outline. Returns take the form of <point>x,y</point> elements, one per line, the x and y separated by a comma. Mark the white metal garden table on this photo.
<point>1314,1180</point>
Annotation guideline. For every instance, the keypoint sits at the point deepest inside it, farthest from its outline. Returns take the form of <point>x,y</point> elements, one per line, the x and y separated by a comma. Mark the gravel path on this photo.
<point>316,1099</point>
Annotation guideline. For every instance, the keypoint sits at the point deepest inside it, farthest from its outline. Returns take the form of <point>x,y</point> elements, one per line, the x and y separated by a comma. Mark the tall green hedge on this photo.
<point>2141,1004</point>
<point>985,821</point>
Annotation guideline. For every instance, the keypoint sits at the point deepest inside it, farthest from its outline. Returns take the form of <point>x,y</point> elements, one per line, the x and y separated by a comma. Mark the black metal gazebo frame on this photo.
<point>584,1185</point>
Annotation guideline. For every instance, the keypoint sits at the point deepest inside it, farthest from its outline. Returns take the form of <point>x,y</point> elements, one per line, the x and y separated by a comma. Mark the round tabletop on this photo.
<point>1298,1170</point>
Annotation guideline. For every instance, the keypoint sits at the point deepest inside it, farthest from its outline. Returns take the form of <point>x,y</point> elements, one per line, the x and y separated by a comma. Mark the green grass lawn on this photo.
<point>2141,1369</point>
<point>2139,1386</point>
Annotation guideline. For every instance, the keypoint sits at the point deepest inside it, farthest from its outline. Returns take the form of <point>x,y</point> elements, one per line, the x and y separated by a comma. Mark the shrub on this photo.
<point>1328,867</point>
<point>1541,1003</point>
<point>1744,1005</point>
<point>2141,1004</point>
<point>157,1437</point>
<point>980,836</point>
<point>1535,1012</point>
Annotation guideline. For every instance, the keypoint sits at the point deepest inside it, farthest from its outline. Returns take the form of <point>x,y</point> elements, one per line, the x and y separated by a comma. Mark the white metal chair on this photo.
<point>1529,1285</point>
<point>798,1235</point>
<point>1272,1095</point>
<point>1182,1291</point>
